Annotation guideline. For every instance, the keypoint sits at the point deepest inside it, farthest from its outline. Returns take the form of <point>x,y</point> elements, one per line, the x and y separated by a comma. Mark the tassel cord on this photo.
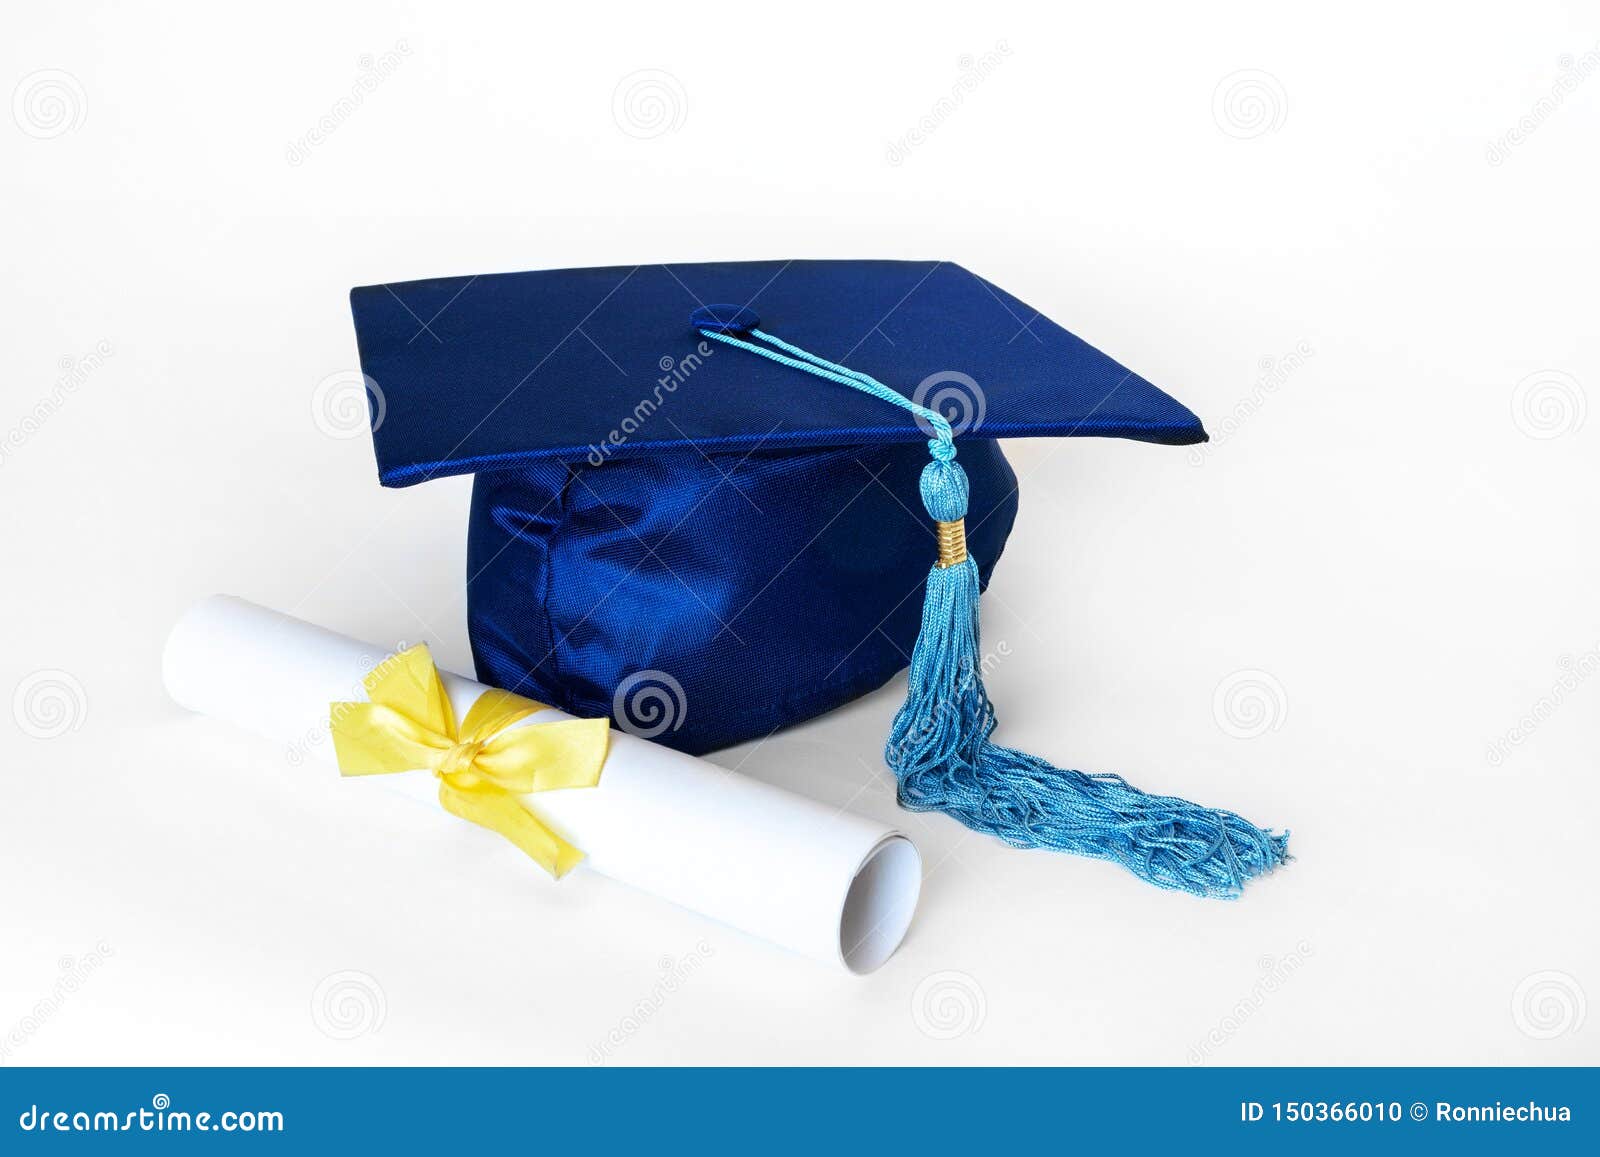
<point>939,744</point>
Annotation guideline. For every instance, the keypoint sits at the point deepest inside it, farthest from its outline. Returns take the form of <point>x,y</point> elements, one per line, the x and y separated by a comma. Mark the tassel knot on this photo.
<point>945,490</point>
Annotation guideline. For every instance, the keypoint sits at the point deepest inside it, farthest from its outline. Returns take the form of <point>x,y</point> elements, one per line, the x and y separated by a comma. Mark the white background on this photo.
<point>1396,544</point>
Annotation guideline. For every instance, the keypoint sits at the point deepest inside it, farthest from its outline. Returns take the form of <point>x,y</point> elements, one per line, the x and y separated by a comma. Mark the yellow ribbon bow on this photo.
<point>483,768</point>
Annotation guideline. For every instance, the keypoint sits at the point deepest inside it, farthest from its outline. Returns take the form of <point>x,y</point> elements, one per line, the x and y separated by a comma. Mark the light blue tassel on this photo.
<point>939,746</point>
<point>940,751</point>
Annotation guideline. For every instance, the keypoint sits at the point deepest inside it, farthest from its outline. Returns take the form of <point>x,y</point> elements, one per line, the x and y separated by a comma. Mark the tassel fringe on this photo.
<point>942,756</point>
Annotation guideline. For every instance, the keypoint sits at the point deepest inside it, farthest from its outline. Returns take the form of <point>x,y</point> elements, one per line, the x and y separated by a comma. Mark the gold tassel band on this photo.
<point>952,542</point>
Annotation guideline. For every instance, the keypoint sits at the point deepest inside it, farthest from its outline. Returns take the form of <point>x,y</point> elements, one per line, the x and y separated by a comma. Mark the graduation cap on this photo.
<point>696,509</point>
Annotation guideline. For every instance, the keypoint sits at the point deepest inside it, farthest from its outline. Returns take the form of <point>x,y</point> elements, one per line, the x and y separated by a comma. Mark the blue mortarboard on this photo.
<point>710,531</point>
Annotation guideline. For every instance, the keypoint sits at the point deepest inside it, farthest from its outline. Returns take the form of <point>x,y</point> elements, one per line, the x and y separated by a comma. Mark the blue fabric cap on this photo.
<point>701,543</point>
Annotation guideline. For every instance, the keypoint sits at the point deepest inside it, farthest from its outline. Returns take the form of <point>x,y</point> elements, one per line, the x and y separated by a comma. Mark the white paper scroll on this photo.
<point>822,882</point>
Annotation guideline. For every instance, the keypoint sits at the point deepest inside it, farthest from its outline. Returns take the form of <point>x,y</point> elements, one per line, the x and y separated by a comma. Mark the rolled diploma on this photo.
<point>819,881</point>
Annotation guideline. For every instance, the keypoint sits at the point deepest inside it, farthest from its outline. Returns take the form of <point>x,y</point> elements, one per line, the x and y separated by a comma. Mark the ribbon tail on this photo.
<point>505,815</point>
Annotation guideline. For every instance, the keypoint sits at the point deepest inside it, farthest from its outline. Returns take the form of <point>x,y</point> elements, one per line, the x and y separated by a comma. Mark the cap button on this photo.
<point>725,319</point>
